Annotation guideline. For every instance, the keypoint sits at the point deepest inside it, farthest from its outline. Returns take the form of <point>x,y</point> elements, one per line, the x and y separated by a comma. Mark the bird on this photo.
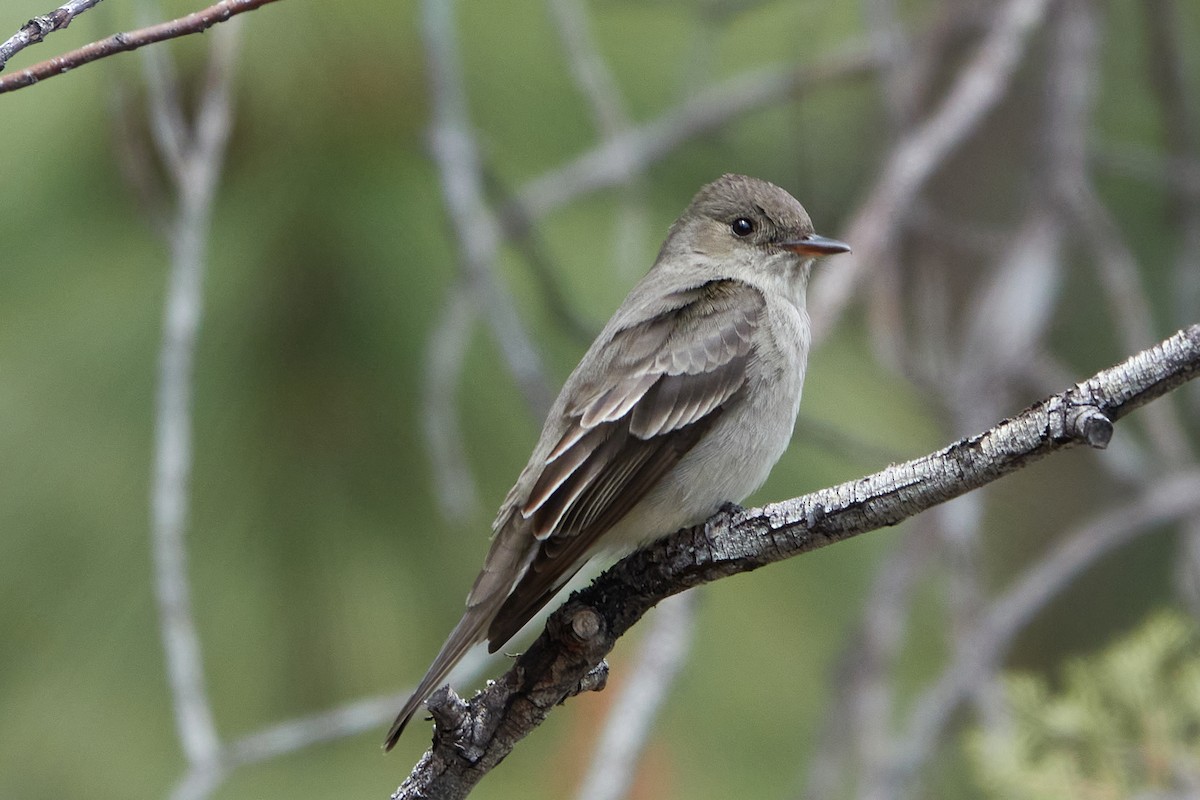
<point>682,404</point>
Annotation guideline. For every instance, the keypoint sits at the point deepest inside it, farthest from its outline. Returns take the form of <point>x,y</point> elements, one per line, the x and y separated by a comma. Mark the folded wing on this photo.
<point>669,379</point>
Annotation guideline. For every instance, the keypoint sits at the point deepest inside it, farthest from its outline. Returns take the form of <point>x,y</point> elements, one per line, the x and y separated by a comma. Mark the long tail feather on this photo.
<point>468,632</point>
<point>488,593</point>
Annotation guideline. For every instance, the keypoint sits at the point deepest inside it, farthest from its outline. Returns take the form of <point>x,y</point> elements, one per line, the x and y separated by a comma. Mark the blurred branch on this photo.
<point>1132,319</point>
<point>453,484</point>
<point>1176,96</point>
<point>1178,174</point>
<point>1162,501</point>
<point>882,20</point>
<point>136,162</point>
<point>663,653</point>
<point>196,22</point>
<point>862,701</point>
<point>591,74</point>
<point>471,738</point>
<point>475,226</point>
<point>616,160</point>
<point>523,237</point>
<point>919,154</point>
<point>193,158</point>
<point>296,734</point>
<point>599,87</point>
<point>38,28</point>
<point>965,356</point>
<point>344,720</point>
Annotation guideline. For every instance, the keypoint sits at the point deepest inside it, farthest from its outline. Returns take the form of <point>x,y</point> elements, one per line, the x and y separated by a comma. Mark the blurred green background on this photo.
<point>321,568</point>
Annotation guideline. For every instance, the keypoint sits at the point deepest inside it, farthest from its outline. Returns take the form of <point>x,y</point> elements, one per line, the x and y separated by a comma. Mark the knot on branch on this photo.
<point>1092,426</point>
<point>459,728</point>
<point>594,681</point>
<point>449,711</point>
<point>1081,422</point>
<point>584,625</point>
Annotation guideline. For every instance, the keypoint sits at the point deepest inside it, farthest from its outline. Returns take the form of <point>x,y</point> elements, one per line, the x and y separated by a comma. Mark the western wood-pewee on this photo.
<point>684,402</point>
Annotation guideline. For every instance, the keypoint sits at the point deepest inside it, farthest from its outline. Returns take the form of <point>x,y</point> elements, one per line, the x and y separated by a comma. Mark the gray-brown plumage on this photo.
<point>684,402</point>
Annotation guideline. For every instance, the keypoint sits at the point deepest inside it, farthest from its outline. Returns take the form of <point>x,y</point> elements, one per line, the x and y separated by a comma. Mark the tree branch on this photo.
<point>193,155</point>
<point>979,85</point>
<point>38,28</point>
<point>1173,498</point>
<point>625,155</point>
<point>472,737</point>
<point>478,233</point>
<point>196,22</point>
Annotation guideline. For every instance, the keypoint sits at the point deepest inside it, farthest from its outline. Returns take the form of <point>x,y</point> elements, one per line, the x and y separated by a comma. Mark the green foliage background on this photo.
<point>1126,723</point>
<point>321,569</point>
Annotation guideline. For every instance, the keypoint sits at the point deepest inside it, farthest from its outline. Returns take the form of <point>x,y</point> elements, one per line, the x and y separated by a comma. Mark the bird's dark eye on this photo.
<point>742,226</point>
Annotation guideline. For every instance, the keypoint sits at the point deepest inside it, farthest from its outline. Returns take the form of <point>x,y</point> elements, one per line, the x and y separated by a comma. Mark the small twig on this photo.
<point>196,22</point>
<point>345,720</point>
<point>38,28</point>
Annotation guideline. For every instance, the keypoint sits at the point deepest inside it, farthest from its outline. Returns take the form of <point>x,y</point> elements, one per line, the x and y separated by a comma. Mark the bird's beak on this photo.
<point>814,245</point>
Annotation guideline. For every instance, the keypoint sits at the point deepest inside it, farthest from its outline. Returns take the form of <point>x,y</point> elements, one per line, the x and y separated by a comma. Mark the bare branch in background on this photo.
<point>1118,271</point>
<point>976,90</point>
<point>350,719</point>
<point>615,161</point>
<point>193,158</point>
<point>471,738</point>
<point>1132,319</point>
<point>475,226</point>
<point>883,23</point>
<point>1176,96</point>
<point>853,737</point>
<point>38,28</point>
<point>593,77</point>
<point>663,653</point>
<point>133,152</point>
<point>196,22</point>
<point>478,235</point>
<point>1164,501</point>
<point>1177,174</point>
<point>1177,102</point>
<point>453,484</point>
<point>523,237</point>
<point>1120,274</point>
<point>599,87</point>
<point>964,362</point>
<point>290,736</point>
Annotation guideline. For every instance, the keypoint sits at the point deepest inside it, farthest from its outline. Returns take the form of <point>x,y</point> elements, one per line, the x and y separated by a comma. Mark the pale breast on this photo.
<point>737,455</point>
